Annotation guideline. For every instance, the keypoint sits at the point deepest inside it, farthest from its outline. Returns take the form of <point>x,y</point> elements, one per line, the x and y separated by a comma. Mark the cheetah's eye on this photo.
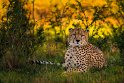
<point>82,35</point>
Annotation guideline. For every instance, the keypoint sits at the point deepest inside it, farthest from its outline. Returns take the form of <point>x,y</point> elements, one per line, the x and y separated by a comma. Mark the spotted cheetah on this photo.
<point>81,55</point>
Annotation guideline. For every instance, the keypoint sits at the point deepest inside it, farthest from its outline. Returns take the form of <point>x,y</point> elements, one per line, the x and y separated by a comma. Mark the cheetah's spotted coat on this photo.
<point>81,55</point>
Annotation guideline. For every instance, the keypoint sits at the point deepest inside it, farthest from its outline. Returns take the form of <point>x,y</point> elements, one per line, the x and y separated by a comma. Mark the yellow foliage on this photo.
<point>3,4</point>
<point>43,7</point>
<point>98,2</point>
<point>91,29</point>
<point>96,36</point>
<point>102,31</point>
<point>57,28</point>
<point>114,7</point>
<point>93,2</point>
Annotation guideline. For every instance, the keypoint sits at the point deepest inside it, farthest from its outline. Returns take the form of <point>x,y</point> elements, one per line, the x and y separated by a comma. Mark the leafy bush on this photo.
<point>119,40</point>
<point>16,34</point>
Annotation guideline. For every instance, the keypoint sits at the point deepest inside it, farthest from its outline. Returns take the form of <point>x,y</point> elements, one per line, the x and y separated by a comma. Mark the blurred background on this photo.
<point>38,29</point>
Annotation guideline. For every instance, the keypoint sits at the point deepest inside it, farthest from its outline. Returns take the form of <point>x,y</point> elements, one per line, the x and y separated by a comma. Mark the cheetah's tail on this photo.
<point>44,62</point>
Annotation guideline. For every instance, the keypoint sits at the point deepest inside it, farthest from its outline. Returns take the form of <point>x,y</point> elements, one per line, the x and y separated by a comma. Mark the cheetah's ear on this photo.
<point>70,30</point>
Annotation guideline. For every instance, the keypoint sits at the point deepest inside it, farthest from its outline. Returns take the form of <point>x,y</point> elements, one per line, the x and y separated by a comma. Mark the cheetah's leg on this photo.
<point>83,68</point>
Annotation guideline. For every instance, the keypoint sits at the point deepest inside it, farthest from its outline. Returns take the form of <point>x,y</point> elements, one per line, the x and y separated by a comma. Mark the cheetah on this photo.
<point>82,55</point>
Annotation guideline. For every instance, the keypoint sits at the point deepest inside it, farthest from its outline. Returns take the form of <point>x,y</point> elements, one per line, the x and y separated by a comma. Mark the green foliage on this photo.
<point>101,43</point>
<point>47,74</point>
<point>16,34</point>
<point>119,40</point>
<point>40,36</point>
<point>56,74</point>
<point>18,42</point>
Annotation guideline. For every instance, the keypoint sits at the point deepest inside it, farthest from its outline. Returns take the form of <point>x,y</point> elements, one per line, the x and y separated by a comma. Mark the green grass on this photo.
<point>27,73</point>
<point>51,74</point>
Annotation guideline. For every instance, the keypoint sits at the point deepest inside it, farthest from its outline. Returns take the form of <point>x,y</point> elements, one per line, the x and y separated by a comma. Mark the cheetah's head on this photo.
<point>77,37</point>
